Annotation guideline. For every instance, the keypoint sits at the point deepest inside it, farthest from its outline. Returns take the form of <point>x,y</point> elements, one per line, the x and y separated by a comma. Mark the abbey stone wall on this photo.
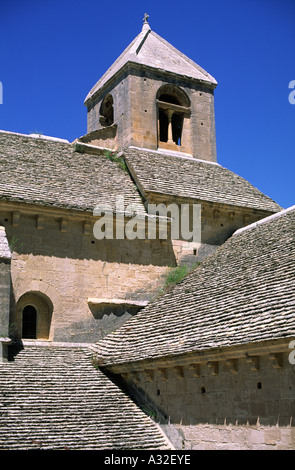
<point>61,269</point>
<point>243,401</point>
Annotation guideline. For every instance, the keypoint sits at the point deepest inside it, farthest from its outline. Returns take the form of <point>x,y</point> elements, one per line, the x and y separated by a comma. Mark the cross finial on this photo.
<point>146,18</point>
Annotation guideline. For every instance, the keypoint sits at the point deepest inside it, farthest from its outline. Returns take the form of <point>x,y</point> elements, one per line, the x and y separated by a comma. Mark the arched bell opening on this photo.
<point>173,106</point>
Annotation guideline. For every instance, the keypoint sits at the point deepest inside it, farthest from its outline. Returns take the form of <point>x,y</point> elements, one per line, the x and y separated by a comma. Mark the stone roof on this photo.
<point>187,177</point>
<point>52,398</point>
<point>244,293</point>
<point>51,173</point>
<point>4,247</point>
<point>149,49</point>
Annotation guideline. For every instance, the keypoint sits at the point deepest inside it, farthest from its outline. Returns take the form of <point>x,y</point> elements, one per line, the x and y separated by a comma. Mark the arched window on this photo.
<point>29,322</point>
<point>173,105</point>
<point>106,111</point>
<point>33,315</point>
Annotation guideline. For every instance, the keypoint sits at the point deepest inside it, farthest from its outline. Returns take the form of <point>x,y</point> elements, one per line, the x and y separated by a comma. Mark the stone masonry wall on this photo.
<point>5,260</point>
<point>4,297</point>
<point>218,223</point>
<point>135,113</point>
<point>59,260</point>
<point>199,129</point>
<point>242,403</point>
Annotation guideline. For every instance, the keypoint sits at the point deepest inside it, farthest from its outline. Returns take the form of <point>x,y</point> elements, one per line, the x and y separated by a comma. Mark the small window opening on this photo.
<point>203,390</point>
<point>259,385</point>
<point>29,326</point>
<point>106,111</point>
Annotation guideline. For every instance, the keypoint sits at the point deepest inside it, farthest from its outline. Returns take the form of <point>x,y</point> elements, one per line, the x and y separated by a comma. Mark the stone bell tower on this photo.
<point>153,97</point>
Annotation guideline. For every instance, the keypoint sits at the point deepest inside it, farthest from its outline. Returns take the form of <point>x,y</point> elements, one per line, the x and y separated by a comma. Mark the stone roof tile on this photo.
<point>51,173</point>
<point>53,398</point>
<point>150,49</point>
<point>158,172</point>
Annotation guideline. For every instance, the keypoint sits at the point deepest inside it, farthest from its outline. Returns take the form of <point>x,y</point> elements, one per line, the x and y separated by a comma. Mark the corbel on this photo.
<point>86,228</point>
<point>135,376</point>
<point>213,365</point>
<point>195,368</point>
<point>63,225</point>
<point>163,373</point>
<point>15,218</point>
<point>40,222</point>
<point>232,365</point>
<point>277,360</point>
<point>231,216</point>
<point>179,372</point>
<point>216,214</point>
<point>254,362</point>
<point>149,375</point>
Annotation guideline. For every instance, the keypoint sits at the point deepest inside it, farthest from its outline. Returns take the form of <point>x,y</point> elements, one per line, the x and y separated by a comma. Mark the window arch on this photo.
<point>33,316</point>
<point>173,94</point>
<point>106,111</point>
<point>173,104</point>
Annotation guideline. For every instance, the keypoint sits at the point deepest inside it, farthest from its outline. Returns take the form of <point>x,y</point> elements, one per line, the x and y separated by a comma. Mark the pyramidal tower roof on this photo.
<point>149,49</point>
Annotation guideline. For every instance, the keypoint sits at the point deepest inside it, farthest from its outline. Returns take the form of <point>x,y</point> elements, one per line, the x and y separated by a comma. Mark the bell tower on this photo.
<point>153,97</point>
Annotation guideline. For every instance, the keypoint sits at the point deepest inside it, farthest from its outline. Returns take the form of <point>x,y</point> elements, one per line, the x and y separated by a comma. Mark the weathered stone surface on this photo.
<point>51,397</point>
<point>161,173</point>
<point>51,173</point>
<point>67,268</point>
<point>134,83</point>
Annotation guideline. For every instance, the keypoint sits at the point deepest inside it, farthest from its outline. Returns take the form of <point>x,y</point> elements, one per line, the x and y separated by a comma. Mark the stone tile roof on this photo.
<point>150,49</point>
<point>51,173</point>
<point>4,247</point>
<point>243,293</point>
<point>191,178</point>
<point>52,398</point>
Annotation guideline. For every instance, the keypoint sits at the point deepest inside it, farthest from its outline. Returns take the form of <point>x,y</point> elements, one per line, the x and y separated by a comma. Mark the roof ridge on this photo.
<point>172,153</point>
<point>37,136</point>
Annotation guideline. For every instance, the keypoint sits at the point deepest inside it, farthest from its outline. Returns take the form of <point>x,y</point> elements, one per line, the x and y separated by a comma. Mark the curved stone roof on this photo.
<point>159,172</point>
<point>51,173</point>
<point>150,49</point>
<point>244,293</point>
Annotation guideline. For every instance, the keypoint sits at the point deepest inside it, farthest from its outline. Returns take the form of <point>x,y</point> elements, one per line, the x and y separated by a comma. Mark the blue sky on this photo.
<point>54,51</point>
